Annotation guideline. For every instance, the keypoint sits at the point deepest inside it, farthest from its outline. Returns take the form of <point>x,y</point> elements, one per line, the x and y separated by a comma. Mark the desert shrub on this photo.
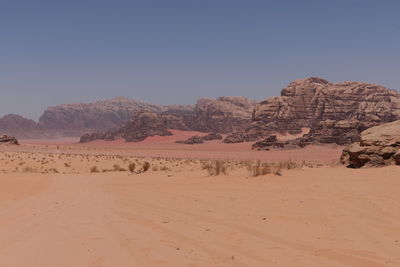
<point>259,168</point>
<point>94,169</point>
<point>215,167</point>
<point>118,168</point>
<point>146,166</point>
<point>29,169</point>
<point>132,167</point>
<point>164,168</point>
<point>154,168</point>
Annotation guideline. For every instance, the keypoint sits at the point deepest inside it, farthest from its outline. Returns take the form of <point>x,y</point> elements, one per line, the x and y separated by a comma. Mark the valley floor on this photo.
<point>326,216</point>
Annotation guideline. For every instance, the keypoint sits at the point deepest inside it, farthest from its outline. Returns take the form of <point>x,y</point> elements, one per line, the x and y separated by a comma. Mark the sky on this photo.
<point>176,51</point>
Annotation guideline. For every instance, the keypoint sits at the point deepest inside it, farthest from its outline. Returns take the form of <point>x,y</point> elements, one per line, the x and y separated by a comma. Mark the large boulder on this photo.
<point>10,140</point>
<point>379,146</point>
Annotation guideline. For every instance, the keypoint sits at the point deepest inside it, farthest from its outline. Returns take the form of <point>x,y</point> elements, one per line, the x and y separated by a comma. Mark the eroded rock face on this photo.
<point>379,146</point>
<point>197,139</point>
<point>142,125</point>
<point>73,119</point>
<point>223,115</point>
<point>334,112</point>
<point>20,127</point>
<point>10,140</point>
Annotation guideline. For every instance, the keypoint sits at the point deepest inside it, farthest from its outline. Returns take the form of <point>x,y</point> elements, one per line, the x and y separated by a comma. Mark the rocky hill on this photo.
<point>142,125</point>
<point>224,114</point>
<point>73,119</point>
<point>336,113</point>
<point>19,126</point>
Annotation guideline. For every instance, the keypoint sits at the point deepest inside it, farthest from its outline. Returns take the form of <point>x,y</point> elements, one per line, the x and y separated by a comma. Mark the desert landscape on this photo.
<point>159,203</point>
<point>199,133</point>
<point>309,178</point>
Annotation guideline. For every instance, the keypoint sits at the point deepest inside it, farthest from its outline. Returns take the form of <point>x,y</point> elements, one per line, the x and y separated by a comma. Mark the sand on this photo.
<point>56,212</point>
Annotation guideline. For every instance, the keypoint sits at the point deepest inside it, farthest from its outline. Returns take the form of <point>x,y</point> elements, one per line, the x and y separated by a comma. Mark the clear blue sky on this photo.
<point>170,51</point>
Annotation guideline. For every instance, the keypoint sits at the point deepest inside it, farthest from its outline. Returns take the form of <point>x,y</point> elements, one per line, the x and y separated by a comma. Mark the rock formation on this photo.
<point>336,113</point>
<point>73,119</point>
<point>142,125</point>
<point>5,139</point>
<point>197,139</point>
<point>223,115</point>
<point>379,146</point>
<point>20,127</point>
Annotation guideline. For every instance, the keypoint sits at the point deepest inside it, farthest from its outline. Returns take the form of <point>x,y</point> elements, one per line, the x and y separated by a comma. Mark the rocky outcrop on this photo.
<point>223,115</point>
<point>73,119</point>
<point>335,112</point>
<point>379,146</point>
<point>197,139</point>
<point>10,140</point>
<point>20,127</point>
<point>142,125</point>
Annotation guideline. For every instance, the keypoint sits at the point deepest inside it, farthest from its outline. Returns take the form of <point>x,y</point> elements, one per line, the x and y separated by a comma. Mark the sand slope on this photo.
<point>311,217</point>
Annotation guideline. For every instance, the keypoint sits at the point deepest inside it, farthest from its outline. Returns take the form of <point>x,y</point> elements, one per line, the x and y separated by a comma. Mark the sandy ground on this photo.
<point>311,217</point>
<point>56,212</point>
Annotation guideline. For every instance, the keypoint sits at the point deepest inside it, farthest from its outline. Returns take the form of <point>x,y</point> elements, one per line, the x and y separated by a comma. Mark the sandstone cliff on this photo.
<point>19,126</point>
<point>336,113</point>
<point>142,125</point>
<point>73,119</point>
<point>224,114</point>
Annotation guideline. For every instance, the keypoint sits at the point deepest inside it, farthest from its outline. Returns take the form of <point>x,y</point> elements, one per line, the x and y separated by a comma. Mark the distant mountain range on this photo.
<point>335,113</point>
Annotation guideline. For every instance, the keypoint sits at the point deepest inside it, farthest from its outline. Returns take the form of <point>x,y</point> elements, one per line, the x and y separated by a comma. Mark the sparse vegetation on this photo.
<point>94,169</point>
<point>215,167</point>
<point>132,167</point>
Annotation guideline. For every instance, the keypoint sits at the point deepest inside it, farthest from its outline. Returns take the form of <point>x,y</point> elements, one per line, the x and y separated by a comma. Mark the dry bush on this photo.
<point>146,166</point>
<point>154,168</point>
<point>259,168</point>
<point>132,167</point>
<point>164,168</point>
<point>215,167</point>
<point>29,169</point>
<point>118,168</point>
<point>94,169</point>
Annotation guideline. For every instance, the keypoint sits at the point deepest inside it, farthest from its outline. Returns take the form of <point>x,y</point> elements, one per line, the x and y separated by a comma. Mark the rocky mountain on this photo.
<point>19,126</point>
<point>142,125</point>
<point>335,113</point>
<point>378,146</point>
<point>224,114</point>
<point>73,119</point>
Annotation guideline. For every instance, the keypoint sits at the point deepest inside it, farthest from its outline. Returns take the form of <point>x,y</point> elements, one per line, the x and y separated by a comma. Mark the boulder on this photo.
<point>378,146</point>
<point>10,140</point>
